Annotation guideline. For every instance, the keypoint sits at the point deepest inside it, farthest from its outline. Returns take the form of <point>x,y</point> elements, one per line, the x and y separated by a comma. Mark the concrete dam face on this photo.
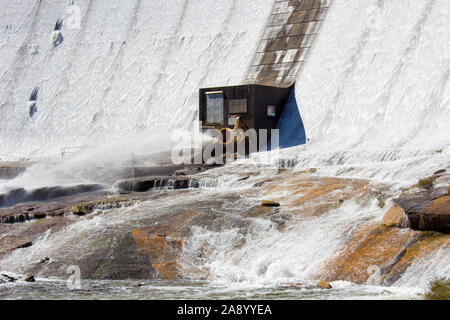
<point>119,69</point>
<point>110,75</point>
<point>288,35</point>
<point>85,73</point>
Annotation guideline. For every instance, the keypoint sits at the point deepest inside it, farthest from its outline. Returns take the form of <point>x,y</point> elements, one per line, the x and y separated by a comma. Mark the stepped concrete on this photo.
<point>288,35</point>
<point>10,170</point>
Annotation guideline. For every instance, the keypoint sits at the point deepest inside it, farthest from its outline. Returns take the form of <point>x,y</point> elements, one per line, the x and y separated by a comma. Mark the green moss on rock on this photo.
<point>439,289</point>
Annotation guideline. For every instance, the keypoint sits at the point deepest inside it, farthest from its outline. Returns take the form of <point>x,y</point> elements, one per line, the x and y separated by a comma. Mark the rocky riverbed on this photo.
<point>184,231</point>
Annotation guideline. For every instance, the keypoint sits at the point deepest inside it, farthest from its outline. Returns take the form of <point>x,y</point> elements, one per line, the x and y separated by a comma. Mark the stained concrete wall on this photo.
<point>11,170</point>
<point>288,35</point>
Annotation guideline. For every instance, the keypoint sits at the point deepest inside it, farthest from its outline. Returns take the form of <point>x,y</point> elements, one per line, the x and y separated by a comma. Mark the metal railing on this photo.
<point>71,150</point>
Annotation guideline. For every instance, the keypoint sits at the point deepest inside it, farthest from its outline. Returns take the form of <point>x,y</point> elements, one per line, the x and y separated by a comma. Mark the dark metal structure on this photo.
<point>257,106</point>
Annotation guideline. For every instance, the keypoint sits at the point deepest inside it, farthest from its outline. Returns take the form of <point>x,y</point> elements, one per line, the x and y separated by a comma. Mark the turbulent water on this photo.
<point>51,289</point>
<point>373,94</point>
<point>265,267</point>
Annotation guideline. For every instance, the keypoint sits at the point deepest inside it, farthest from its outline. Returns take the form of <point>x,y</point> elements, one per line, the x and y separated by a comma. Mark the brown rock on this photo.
<point>147,183</point>
<point>82,209</point>
<point>267,203</point>
<point>156,247</point>
<point>10,243</point>
<point>320,190</point>
<point>296,284</point>
<point>395,217</point>
<point>428,243</point>
<point>427,209</point>
<point>434,217</point>
<point>167,270</point>
<point>162,250</point>
<point>29,278</point>
<point>371,245</point>
<point>391,250</point>
<point>311,195</point>
<point>324,285</point>
<point>25,245</point>
<point>162,242</point>
<point>439,206</point>
<point>44,260</point>
<point>258,212</point>
<point>7,278</point>
<point>179,243</point>
<point>259,184</point>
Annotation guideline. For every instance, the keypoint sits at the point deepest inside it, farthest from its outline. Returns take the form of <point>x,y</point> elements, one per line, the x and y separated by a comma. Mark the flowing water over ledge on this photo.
<point>147,290</point>
<point>217,242</point>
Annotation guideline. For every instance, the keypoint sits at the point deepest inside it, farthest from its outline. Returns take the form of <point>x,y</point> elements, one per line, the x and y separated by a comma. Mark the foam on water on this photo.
<point>269,255</point>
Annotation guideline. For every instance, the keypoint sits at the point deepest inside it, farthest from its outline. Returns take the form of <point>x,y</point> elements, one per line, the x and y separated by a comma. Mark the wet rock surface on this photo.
<point>76,204</point>
<point>6,278</point>
<point>163,242</point>
<point>416,226</point>
<point>24,224</point>
<point>147,183</point>
<point>314,196</point>
<point>268,203</point>
<point>427,208</point>
<point>161,245</point>
<point>324,285</point>
<point>29,278</point>
<point>382,254</point>
<point>155,250</point>
<point>435,216</point>
<point>45,194</point>
<point>395,217</point>
<point>34,211</point>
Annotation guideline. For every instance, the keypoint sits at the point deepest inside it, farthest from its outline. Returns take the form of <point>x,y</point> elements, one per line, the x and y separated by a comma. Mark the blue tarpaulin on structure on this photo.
<point>292,132</point>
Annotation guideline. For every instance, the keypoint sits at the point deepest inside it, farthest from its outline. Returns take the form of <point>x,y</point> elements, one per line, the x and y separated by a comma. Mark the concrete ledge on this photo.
<point>147,183</point>
<point>289,32</point>
<point>11,170</point>
<point>45,194</point>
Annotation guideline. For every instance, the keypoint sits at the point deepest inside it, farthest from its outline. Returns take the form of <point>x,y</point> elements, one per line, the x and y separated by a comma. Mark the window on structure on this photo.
<point>238,106</point>
<point>214,107</point>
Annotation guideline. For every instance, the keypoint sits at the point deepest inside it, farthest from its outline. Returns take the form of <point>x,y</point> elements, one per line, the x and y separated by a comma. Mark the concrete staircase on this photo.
<point>287,37</point>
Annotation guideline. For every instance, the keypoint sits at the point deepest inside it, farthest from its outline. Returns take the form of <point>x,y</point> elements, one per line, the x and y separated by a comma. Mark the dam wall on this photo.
<point>115,69</point>
<point>287,37</point>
